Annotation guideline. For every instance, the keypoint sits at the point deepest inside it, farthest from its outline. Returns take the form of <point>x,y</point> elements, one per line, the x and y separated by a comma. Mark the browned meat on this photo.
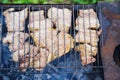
<point>15,46</point>
<point>63,24</point>
<point>87,36</point>
<point>87,19</point>
<point>16,37</point>
<point>36,16</point>
<point>87,60</point>
<point>87,13</point>
<point>38,25</point>
<point>44,37</point>
<point>52,46</point>
<point>87,52</point>
<point>85,22</point>
<point>24,66</point>
<point>63,42</point>
<point>43,57</point>
<point>38,61</point>
<point>15,21</point>
<point>46,55</point>
<point>42,61</point>
<point>61,18</point>
<point>21,53</point>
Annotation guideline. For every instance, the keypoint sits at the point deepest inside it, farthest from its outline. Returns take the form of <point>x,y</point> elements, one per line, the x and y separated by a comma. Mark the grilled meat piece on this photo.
<point>87,13</point>
<point>21,53</point>
<point>15,21</point>
<point>19,37</point>
<point>44,37</point>
<point>57,46</point>
<point>87,52</point>
<point>87,36</point>
<point>63,24</point>
<point>87,60</point>
<point>39,25</point>
<point>36,16</point>
<point>63,42</point>
<point>55,13</point>
<point>38,61</point>
<point>61,18</point>
<point>42,61</point>
<point>15,46</point>
<point>87,19</point>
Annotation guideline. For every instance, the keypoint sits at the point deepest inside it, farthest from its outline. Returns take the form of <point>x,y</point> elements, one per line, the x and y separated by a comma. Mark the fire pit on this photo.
<point>66,67</point>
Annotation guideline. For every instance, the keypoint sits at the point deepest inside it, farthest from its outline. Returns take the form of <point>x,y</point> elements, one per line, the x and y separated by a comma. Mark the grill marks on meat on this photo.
<point>61,18</point>
<point>15,21</point>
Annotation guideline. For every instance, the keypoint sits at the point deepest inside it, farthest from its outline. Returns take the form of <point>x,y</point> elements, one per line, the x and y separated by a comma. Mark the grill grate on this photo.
<point>70,61</point>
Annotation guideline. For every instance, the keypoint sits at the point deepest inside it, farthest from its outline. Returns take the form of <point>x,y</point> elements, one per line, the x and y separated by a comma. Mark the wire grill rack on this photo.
<point>6,62</point>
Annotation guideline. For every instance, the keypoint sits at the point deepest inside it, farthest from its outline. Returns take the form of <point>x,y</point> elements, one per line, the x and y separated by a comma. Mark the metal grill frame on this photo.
<point>74,8</point>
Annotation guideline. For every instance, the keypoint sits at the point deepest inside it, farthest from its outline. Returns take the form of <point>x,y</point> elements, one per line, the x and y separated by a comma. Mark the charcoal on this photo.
<point>3,77</point>
<point>5,49</point>
<point>23,77</point>
<point>37,76</point>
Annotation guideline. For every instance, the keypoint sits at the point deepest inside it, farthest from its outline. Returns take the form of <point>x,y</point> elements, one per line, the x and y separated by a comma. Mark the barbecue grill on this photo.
<point>65,67</point>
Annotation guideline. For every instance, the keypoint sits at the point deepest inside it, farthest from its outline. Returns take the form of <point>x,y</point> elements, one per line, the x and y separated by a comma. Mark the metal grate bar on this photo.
<point>1,19</point>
